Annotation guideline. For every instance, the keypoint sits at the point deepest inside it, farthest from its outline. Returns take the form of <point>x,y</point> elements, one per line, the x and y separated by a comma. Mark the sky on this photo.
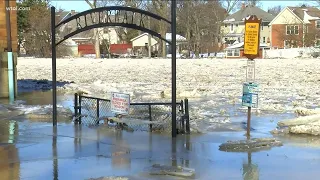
<point>81,5</point>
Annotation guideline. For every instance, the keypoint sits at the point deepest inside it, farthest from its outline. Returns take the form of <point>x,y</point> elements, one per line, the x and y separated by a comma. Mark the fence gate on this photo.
<point>149,116</point>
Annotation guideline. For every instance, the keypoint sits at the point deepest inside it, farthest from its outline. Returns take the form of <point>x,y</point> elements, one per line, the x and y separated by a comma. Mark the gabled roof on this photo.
<point>135,38</point>
<point>300,11</point>
<point>280,14</point>
<point>303,14</point>
<point>168,37</point>
<point>178,37</point>
<point>250,10</point>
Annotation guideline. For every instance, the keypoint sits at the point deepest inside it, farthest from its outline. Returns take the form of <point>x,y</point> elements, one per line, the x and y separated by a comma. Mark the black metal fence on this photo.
<point>149,116</point>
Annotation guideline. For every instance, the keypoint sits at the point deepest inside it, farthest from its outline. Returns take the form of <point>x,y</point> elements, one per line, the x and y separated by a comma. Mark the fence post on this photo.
<point>182,120</point>
<point>80,98</point>
<point>98,110</point>
<point>76,107</point>
<point>186,107</point>
<point>150,117</point>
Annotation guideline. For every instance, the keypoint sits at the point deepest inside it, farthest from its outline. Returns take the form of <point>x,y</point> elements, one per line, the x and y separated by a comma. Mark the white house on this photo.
<point>180,41</point>
<point>142,40</point>
<point>139,43</point>
<point>110,34</point>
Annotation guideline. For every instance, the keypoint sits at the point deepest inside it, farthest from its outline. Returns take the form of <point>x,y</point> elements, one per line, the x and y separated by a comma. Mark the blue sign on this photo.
<point>250,95</point>
<point>250,88</point>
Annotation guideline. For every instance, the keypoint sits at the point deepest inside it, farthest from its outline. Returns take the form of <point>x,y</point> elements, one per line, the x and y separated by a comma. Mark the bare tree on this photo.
<point>126,34</point>
<point>230,5</point>
<point>162,8</point>
<point>275,10</point>
<point>184,25</point>
<point>37,40</point>
<point>200,22</point>
<point>96,31</point>
<point>256,3</point>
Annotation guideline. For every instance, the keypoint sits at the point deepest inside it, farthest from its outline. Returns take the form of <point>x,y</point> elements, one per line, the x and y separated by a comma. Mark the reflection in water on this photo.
<point>150,147</point>
<point>77,137</point>
<point>55,153</point>
<point>174,151</point>
<point>185,146</point>
<point>121,153</point>
<point>9,158</point>
<point>8,130</point>
<point>188,147</point>
<point>120,150</point>
<point>9,170</point>
<point>250,171</point>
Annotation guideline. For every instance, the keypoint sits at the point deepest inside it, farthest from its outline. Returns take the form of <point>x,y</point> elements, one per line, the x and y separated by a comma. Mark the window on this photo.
<point>236,25</point>
<point>236,53</point>
<point>292,29</point>
<point>286,44</point>
<point>290,44</point>
<point>318,23</point>
<point>225,25</point>
<point>264,40</point>
<point>306,29</point>
<point>261,27</point>
<point>231,27</point>
<point>233,53</point>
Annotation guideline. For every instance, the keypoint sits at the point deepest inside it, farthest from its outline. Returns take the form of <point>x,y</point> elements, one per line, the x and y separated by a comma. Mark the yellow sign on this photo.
<point>251,38</point>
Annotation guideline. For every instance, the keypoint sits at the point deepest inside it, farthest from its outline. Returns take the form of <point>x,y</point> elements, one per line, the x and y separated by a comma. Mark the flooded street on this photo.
<point>31,149</point>
<point>35,150</point>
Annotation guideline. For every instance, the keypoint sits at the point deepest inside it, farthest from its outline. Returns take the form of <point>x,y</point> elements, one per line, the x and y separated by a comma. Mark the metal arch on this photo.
<point>173,49</point>
<point>132,26</point>
<point>110,8</point>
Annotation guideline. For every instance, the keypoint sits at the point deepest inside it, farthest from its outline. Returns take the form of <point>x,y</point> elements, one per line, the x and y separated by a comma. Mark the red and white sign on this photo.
<point>120,103</point>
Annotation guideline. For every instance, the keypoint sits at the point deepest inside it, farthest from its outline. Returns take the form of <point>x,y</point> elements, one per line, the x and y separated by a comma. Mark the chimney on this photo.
<point>243,6</point>
<point>73,12</point>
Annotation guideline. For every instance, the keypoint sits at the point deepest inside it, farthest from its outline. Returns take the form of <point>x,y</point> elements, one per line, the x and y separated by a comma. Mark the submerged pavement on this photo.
<point>34,151</point>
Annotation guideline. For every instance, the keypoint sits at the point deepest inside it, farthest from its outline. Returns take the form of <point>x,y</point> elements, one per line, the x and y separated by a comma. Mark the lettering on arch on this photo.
<point>126,17</point>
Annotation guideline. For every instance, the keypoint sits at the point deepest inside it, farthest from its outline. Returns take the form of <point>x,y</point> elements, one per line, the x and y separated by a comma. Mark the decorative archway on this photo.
<point>101,17</point>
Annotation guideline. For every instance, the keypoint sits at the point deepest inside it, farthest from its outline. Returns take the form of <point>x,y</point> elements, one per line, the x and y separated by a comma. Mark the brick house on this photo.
<point>296,27</point>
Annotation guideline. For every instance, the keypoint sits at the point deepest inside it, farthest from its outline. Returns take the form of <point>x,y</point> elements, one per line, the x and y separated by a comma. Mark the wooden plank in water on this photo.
<point>132,121</point>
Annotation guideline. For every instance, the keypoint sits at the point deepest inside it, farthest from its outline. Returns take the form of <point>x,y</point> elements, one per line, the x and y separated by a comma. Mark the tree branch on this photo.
<point>92,5</point>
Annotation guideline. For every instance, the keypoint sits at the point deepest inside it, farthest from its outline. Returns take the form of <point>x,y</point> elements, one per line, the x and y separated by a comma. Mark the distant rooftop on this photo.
<point>300,11</point>
<point>246,11</point>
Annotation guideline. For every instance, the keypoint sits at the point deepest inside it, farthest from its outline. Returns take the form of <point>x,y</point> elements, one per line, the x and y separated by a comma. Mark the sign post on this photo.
<point>251,71</point>
<point>251,51</point>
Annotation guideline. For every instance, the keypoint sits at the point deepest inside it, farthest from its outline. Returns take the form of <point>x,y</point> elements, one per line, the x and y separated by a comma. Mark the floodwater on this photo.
<point>33,150</point>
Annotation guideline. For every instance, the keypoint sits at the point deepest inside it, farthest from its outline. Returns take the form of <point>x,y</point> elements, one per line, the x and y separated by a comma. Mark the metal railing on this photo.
<point>155,115</point>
